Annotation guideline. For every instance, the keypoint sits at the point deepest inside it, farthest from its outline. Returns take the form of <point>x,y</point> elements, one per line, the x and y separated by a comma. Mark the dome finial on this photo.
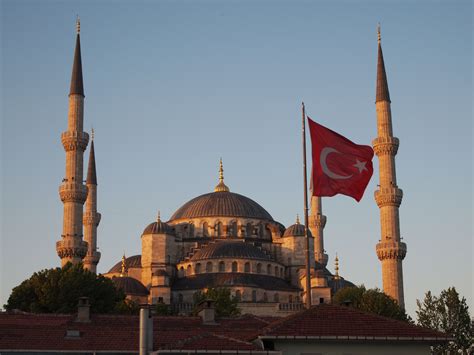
<point>158,218</point>
<point>124,266</point>
<point>92,133</point>
<point>379,37</point>
<point>221,187</point>
<point>78,24</point>
<point>336,268</point>
<point>297,218</point>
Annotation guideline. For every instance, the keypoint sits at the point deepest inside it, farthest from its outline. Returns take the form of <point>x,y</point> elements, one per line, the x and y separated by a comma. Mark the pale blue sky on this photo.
<point>171,86</point>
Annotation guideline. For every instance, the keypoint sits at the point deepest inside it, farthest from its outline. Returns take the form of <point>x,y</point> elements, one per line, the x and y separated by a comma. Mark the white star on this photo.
<point>360,165</point>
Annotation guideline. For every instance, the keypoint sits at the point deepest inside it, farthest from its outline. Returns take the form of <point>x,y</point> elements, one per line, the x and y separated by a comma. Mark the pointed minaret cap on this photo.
<point>77,86</point>
<point>382,93</point>
<point>91,173</point>
<point>221,187</point>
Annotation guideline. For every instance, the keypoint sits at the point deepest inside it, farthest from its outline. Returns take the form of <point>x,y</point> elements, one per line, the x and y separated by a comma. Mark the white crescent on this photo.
<point>322,158</point>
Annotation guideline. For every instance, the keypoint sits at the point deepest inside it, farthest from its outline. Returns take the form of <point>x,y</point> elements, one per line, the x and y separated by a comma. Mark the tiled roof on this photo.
<point>117,332</point>
<point>330,321</point>
<point>221,204</point>
<point>228,249</point>
<point>227,279</point>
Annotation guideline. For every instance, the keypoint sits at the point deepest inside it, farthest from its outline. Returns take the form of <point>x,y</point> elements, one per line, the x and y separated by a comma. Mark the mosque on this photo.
<point>222,238</point>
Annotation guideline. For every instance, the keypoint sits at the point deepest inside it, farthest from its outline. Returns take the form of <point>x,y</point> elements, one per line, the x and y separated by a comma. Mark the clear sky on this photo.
<point>172,86</point>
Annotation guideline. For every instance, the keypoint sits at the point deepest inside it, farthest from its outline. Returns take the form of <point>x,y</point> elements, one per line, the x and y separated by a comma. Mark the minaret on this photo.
<point>91,218</point>
<point>73,193</point>
<point>390,250</point>
<point>317,222</point>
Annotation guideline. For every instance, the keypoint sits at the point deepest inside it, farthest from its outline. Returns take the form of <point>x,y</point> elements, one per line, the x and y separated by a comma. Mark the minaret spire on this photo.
<point>390,250</point>
<point>73,193</point>
<point>77,86</point>
<point>382,93</point>
<point>91,218</point>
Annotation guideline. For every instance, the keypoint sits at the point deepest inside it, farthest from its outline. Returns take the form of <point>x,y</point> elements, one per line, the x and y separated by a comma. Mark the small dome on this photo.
<point>158,227</point>
<point>134,261</point>
<point>130,286</point>
<point>296,230</point>
<point>226,249</point>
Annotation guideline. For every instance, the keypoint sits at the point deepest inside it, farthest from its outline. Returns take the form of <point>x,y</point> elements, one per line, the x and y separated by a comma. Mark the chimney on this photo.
<point>146,330</point>
<point>206,310</point>
<point>83,310</point>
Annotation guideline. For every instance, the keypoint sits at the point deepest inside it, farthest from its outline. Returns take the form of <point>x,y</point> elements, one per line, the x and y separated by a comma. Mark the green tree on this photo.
<point>449,314</point>
<point>225,303</point>
<point>58,291</point>
<point>372,301</point>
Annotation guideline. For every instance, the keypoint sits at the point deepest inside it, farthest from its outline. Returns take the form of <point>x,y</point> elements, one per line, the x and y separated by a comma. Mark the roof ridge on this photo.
<point>231,338</point>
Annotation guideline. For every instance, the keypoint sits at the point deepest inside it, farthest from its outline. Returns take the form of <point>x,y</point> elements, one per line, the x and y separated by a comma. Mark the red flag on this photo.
<point>339,165</point>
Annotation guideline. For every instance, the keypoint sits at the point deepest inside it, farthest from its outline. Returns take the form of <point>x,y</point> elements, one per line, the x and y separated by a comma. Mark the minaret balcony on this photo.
<point>388,196</point>
<point>386,145</point>
<point>92,258</point>
<point>91,218</point>
<point>73,192</point>
<point>74,140</point>
<point>71,247</point>
<point>391,250</point>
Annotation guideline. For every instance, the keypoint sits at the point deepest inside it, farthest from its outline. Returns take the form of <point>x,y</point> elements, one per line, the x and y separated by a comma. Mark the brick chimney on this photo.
<point>207,311</point>
<point>83,310</point>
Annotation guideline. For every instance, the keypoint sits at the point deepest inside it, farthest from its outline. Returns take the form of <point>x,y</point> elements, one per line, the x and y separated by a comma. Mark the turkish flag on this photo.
<point>339,165</point>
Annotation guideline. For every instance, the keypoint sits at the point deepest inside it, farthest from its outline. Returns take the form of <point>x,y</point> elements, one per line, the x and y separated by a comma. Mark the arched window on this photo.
<point>290,299</point>
<point>221,266</point>
<point>234,266</point>
<point>191,230</point>
<point>276,271</point>
<point>254,296</point>
<point>238,295</point>
<point>180,298</point>
<point>233,229</point>
<point>218,229</point>
<point>181,271</point>
<point>209,267</point>
<point>269,269</point>
<point>189,270</point>
<point>197,268</point>
<point>249,230</point>
<point>276,297</point>
<point>247,267</point>
<point>205,229</point>
<point>259,268</point>
<point>297,299</point>
<point>265,297</point>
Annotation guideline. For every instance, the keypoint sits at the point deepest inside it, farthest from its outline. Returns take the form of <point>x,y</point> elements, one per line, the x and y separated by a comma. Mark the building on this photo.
<point>324,329</point>
<point>223,238</point>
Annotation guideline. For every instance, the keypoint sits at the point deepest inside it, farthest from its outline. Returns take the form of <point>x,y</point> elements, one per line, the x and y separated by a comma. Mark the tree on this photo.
<point>58,291</point>
<point>372,301</point>
<point>226,305</point>
<point>449,314</point>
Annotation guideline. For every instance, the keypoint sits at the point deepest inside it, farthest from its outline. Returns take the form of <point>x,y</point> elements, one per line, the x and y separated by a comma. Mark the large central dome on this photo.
<point>221,204</point>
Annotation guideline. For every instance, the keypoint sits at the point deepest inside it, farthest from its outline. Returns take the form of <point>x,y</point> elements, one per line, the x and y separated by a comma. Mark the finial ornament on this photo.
<point>92,133</point>
<point>379,37</point>
<point>158,218</point>
<point>336,268</point>
<point>221,187</point>
<point>297,218</point>
<point>124,266</point>
<point>78,25</point>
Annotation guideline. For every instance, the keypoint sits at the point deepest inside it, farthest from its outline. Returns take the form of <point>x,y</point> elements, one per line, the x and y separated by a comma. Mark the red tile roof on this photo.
<point>338,322</point>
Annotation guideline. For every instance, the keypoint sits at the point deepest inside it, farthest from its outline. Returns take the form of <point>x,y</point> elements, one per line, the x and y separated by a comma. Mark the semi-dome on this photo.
<point>158,227</point>
<point>134,261</point>
<point>296,229</point>
<point>225,249</point>
<point>130,286</point>
<point>221,204</point>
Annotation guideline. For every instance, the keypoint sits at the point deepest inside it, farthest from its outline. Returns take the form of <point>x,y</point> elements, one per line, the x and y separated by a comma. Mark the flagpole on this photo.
<point>308,280</point>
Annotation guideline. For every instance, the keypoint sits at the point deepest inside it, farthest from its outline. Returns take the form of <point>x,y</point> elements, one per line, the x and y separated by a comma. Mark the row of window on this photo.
<point>232,229</point>
<point>253,297</point>
<point>221,267</point>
